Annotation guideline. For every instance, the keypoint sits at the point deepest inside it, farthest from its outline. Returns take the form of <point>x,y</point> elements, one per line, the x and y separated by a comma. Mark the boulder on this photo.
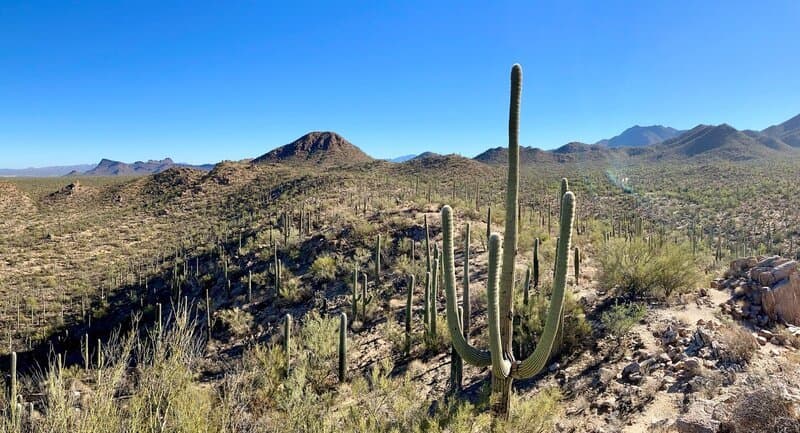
<point>740,266</point>
<point>632,373</point>
<point>698,419</point>
<point>781,302</point>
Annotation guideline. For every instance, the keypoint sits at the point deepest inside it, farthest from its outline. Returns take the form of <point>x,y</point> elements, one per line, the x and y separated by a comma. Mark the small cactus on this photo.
<point>12,400</point>
<point>527,286</point>
<point>250,286</point>
<point>378,259</point>
<point>356,297</point>
<point>409,301</point>
<point>342,346</point>
<point>536,263</point>
<point>287,335</point>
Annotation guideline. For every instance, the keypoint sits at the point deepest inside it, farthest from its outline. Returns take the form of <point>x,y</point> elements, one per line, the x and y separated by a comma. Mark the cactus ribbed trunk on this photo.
<point>428,270</point>
<point>12,401</point>
<point>432,296</point>
<point>378,260</point>
<point>287,335</point>
<point>501,387</point>
<point>342,347</point>
<point>500,283</point>
<point>467,307</point>
<point>355,292</point>
<point>409,302</point>
<point>536,263</point>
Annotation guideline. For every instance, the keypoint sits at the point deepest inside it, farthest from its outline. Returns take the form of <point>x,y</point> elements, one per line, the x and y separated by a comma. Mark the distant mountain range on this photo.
<point>641,136</point>
<point>107,167</point>
<point>403,158</point>
<point>44,171</point>
<point>638,143</point>
<point>659,143</point>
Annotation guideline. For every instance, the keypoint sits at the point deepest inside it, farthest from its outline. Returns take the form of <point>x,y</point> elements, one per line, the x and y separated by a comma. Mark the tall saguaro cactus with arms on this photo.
<point>500,283</point>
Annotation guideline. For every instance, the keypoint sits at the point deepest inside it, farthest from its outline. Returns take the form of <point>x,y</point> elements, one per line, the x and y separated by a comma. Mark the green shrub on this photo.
<point>621,318</point>
<point>637,270</point>
<point>531,320</point>
<point>535,414</point>
<point>235,321</point>
<point>324,268</point>
<point>319,338</point>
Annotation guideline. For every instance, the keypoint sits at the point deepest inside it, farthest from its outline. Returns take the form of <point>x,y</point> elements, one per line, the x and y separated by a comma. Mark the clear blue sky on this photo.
<point>203,81</point>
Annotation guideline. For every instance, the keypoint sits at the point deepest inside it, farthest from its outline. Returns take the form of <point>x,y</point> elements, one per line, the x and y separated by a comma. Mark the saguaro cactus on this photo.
<point>287,335</point>
<point>409,301</point>
<point>500,283</point>
<point>378,260</point>
<point>342,347</point>
<point>465,294</point>
<point>250,286</point>
<point>365,300</point>
<point>527,286</point>
<point>577,263</point>
<point>12,398</point>
<point>356,298</point>
<point>536,263</point>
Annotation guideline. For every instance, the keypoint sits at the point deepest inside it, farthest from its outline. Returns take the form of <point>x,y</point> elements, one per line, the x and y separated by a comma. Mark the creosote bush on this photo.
<point>762,410</point>
<point>234,321</point>
<point>620,319</point>
<point>638,270</point>
<point>531,323</point>
<point>737,345</point>
<point>324,268</point>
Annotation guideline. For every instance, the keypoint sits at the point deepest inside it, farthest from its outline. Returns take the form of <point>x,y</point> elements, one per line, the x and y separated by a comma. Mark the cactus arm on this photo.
<point>536,362</point>
<point>536,263</point>
<point>472,355</point>
<point>426,300</point>
<point>501,367</point>
<point>512,204</point>
<point>427,246</point>
<point>432,297</point>
<point>527,286</point>
<point>465,295</point>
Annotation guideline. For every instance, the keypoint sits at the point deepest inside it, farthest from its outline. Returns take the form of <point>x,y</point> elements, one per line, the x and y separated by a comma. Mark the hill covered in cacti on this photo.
<point>438,294</point>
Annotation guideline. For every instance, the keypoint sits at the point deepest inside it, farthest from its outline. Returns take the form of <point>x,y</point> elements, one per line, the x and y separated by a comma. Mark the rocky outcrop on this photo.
<point>765,289</point>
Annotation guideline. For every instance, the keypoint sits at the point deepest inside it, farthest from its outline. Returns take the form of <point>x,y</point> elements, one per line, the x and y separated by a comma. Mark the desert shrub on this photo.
<point>235,321</point>
<point>292,290</point>
<point>638,270</point>
<point>621,318</point>
<point>441,341</point>
<point>404,266</point>
<point>261,378</point>
<point>324,268</point>
<point>364,231</point>
<point>531,320</point>
<point>535,414</point>
<point>395,334</point>
<point>383,403</point>
<point>762,410</point>
<point>319,338</point>
<point>737,345</point>
<point>164,396</point>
